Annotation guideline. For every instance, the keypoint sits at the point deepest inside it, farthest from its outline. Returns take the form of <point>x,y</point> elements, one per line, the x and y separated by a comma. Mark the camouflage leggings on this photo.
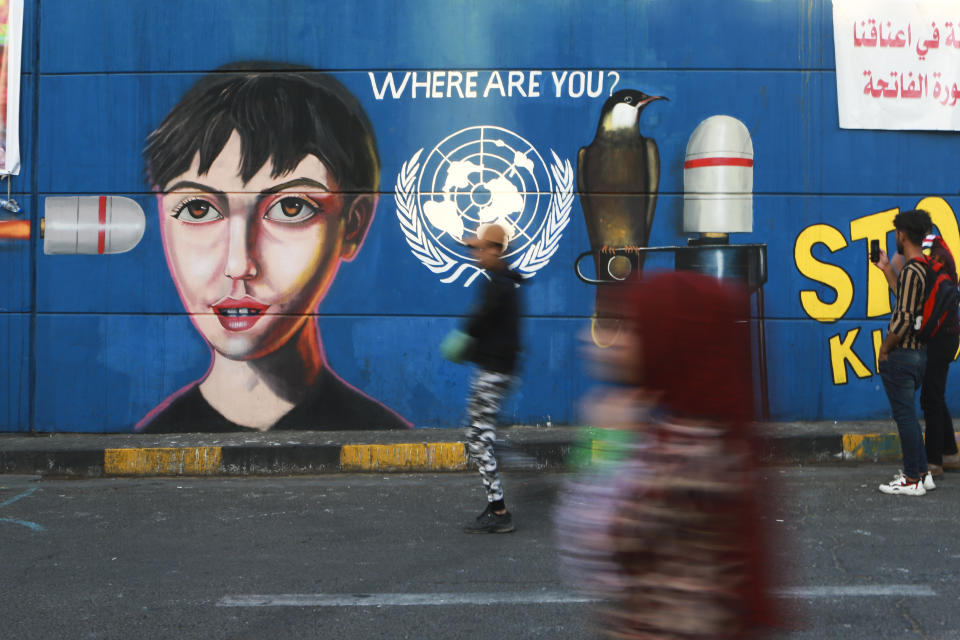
<point>487,389</point>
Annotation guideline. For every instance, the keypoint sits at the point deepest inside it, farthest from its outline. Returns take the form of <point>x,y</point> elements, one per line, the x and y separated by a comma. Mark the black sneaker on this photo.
<point>489,522</point>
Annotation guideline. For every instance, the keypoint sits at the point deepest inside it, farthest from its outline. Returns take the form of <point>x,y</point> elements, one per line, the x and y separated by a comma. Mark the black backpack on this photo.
<point>941,297</point>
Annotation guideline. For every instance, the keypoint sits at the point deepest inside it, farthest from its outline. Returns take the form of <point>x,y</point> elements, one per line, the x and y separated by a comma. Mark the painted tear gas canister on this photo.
<point>718,178</point>
<point>91,225</point>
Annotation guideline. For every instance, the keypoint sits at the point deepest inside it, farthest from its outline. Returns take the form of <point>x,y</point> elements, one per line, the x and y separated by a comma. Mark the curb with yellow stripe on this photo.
<point>407,457</point>
<point>589,447</point>
<point>402,457</point>
<point>163,461</point>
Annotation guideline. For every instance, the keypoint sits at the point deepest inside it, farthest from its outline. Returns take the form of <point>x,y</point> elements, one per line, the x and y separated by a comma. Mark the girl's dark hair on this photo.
<point>282,113</point>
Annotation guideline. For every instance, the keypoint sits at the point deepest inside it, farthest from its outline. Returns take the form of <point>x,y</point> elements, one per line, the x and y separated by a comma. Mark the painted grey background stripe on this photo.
<point>541,597</point>
<point>398,599</point>
<point>875,590</point>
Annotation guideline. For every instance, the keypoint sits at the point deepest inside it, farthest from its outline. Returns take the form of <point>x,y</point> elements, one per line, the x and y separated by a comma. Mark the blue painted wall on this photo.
<point>93,343</point>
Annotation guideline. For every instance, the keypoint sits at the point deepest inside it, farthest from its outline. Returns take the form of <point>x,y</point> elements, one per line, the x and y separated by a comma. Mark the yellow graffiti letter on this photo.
<point>875,226</point>
<point>829,274</point>
<point>841,352</point>
<point>877,341</point>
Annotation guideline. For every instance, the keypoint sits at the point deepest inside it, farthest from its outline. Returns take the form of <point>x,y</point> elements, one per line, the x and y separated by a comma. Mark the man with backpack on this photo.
<point>903,355</point>
<point>940,441</point>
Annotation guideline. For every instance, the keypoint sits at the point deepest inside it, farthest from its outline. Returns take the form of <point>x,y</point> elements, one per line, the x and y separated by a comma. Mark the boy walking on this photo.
<point>494,327</point>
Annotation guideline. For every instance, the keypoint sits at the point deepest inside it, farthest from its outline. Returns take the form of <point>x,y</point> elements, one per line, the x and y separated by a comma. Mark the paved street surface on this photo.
<point>382,556</point>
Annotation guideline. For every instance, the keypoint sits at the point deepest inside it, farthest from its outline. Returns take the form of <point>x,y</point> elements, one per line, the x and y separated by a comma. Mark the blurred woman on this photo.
<point>672,542</point>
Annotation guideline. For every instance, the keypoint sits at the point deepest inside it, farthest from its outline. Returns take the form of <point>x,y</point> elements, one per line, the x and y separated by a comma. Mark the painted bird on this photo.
<point>617,178</point>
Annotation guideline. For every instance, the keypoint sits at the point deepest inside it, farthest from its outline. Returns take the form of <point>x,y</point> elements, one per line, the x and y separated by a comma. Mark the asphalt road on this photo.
<point>382,556</point>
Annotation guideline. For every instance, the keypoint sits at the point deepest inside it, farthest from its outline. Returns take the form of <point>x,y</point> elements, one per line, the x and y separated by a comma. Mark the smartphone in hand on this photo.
<point>874,251</point>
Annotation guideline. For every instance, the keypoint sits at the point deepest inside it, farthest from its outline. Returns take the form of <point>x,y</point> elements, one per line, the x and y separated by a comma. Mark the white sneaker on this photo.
<point>900,486</point>
<point>928,483</point>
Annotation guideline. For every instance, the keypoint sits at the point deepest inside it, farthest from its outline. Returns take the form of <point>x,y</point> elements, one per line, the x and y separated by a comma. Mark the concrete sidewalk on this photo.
<point>415,450</point>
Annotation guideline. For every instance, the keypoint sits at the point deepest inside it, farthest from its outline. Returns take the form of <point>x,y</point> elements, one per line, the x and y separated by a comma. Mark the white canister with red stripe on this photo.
<point>91,225</point>
<point>718,178</point>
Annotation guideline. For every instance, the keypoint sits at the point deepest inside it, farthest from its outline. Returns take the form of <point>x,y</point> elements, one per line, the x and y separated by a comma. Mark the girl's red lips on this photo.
<point>239,314</point>
<point>245,302</point>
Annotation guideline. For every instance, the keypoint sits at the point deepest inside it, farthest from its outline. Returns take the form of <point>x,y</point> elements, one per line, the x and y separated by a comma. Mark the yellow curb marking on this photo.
<point>596,451</point>
<point>867,446</point>
<point>429,456</point>
<point>162,461</point>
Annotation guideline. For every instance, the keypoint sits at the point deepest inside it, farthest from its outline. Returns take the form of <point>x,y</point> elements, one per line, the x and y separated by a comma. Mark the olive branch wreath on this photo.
<point>530,261</point>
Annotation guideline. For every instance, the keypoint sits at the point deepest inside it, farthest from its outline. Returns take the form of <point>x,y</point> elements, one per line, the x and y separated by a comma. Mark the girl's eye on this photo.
<point>196,211</point>
<point>291,210</point>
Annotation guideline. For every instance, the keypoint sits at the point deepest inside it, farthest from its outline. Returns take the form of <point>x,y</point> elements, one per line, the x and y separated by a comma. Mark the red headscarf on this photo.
<point>938,249</point>
<point>694,345</point>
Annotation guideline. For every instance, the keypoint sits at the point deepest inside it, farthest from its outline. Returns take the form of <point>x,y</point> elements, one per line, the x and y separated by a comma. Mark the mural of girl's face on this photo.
<point>252,260</point>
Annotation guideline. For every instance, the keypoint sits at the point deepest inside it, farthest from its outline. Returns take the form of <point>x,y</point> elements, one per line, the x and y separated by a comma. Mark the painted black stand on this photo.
<point>744,262</point>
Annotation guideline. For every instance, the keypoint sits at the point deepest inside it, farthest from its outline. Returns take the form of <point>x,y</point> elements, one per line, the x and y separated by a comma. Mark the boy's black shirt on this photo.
<point>495,322</point>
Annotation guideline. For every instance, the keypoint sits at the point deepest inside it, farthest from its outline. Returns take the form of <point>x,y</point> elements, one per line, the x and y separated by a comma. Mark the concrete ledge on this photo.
<point>86,463</point>
<point>413,451</point>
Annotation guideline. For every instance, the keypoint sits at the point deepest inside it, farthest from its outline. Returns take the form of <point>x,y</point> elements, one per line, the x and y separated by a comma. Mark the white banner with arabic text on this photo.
<point>898,63</point>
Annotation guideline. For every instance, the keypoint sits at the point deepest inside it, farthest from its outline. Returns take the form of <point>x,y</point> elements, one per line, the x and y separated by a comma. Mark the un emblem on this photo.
<point>482,175</point>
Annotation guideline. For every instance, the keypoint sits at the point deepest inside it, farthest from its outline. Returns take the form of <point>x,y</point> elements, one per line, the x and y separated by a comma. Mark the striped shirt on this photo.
<point>909,305</point>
